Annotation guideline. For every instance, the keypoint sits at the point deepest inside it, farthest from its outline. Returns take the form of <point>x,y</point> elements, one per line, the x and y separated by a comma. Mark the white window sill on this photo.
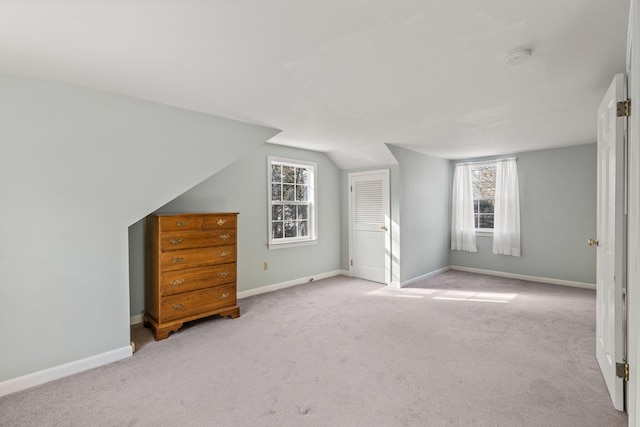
<point>293,244</point>
<point>485,232</point>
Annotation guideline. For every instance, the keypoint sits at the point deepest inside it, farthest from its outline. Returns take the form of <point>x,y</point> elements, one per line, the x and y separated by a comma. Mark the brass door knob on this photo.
<point>592,242</point>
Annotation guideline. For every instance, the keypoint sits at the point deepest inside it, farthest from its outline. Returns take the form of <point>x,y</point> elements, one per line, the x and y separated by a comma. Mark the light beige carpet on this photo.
<point>455,350</point>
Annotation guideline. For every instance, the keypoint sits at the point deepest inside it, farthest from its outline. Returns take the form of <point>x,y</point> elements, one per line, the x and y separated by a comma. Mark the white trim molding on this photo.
<point>277,286</point>
<point>41,377</point>
<point>561,282</point>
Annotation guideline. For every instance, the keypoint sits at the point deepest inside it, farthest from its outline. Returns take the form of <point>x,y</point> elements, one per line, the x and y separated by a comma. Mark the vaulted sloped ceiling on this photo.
<point>342,76</point>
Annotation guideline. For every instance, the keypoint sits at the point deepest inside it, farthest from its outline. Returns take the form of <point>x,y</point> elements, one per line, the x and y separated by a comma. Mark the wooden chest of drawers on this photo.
<point>190,269</point>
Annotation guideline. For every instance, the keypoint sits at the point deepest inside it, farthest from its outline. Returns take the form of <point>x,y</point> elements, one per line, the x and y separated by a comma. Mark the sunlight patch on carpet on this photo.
<point>477,296</point>
<point>438,294</point>
<point>403,292</point>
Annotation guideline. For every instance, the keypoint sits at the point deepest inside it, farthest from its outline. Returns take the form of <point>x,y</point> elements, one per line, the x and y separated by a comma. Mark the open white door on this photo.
<point>369,223</point>
<point>633,217</point>
<point>610,273</point>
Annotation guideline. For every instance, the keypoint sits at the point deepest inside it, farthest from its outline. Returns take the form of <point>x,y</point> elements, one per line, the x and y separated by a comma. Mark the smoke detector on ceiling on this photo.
<point>519,56</point>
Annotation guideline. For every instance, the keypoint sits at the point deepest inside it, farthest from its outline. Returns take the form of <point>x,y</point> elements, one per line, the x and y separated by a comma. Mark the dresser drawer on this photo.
<point>191,303</point>
<point>187,240</point>
<point>171,223</point>
<point>190,258</point>
<point>174,282</point>
<point>216,222</point>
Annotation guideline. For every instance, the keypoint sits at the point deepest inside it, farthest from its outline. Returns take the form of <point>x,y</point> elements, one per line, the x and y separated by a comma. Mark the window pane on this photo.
<point>276,213</point>
<point>488,189</point>
<point>289,212</point>
<point>484,182</point>
<point>276,173</point>
<point>485,206</point>
<point>303,212</point>
<point>288,192</point>
<point>303,228</point>
<point>276,192</point>
<point>277,230</point>
<point>301,193</point>
<point>290,229</point>
<point>302,176</point>
<point>485,221</point>
<point>288,174</point>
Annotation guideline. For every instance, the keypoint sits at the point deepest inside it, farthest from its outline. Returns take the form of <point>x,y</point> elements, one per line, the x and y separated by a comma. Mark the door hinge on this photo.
<point>622,371</point>
<point>351,263</point>
<point>624,108</point>
<point>351,189</point>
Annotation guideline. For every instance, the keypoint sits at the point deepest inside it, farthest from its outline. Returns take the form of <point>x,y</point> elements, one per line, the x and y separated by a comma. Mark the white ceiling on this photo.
<point>341,76</point>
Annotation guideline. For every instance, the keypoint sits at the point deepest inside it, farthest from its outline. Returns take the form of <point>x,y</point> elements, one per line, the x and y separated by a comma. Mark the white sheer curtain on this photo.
<point>463,233</point>
<point>506,226</point>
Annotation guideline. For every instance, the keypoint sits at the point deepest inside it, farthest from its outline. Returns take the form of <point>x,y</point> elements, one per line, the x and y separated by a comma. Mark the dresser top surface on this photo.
<point>170,214</point>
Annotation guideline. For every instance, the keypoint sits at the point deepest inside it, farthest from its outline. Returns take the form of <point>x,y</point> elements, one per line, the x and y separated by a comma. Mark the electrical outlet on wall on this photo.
<point>266,265</point>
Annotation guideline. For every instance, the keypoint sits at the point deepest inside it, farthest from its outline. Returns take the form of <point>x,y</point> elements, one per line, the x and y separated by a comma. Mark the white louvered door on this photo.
<point>369,222</point>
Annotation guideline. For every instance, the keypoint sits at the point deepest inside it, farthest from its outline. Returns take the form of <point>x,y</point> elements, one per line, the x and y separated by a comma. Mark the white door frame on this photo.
<point>387,256</point>
<point>633,219</point>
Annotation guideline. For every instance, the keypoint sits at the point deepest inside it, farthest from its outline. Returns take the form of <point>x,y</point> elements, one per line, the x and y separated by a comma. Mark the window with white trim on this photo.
<point>292,202</point>
<point>483,183</point>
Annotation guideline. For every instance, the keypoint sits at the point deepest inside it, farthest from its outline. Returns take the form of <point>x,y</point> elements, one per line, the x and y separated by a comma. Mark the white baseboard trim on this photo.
<point>137,319</point>
<point>276,286</point>
<point>424,276</point>
<point>345,273</point>
<point>525,277</point>
<point>37,378</point>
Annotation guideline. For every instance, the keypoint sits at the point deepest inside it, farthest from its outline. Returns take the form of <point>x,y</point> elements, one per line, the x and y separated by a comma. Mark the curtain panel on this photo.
<point>463,233</point>
<point>506,231</point>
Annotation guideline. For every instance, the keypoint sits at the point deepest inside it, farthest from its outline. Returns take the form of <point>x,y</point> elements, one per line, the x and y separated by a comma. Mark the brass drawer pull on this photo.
<point>223,274</point>
<point>177,260</point>
<point>182,223</point>
<point>224,295</point>
<point>177,282</point>
<point>224,254</point>
<point>221,221</point>
<point>224,236</point>
<point>177,307</point>
<point>176,241</point>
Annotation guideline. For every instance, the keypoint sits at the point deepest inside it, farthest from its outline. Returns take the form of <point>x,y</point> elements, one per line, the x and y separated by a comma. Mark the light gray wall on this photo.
<point>78,167</point>
<point>136,268</point>
<point>557,216</point>
<point>425,206</point>
<point>242,187</point>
